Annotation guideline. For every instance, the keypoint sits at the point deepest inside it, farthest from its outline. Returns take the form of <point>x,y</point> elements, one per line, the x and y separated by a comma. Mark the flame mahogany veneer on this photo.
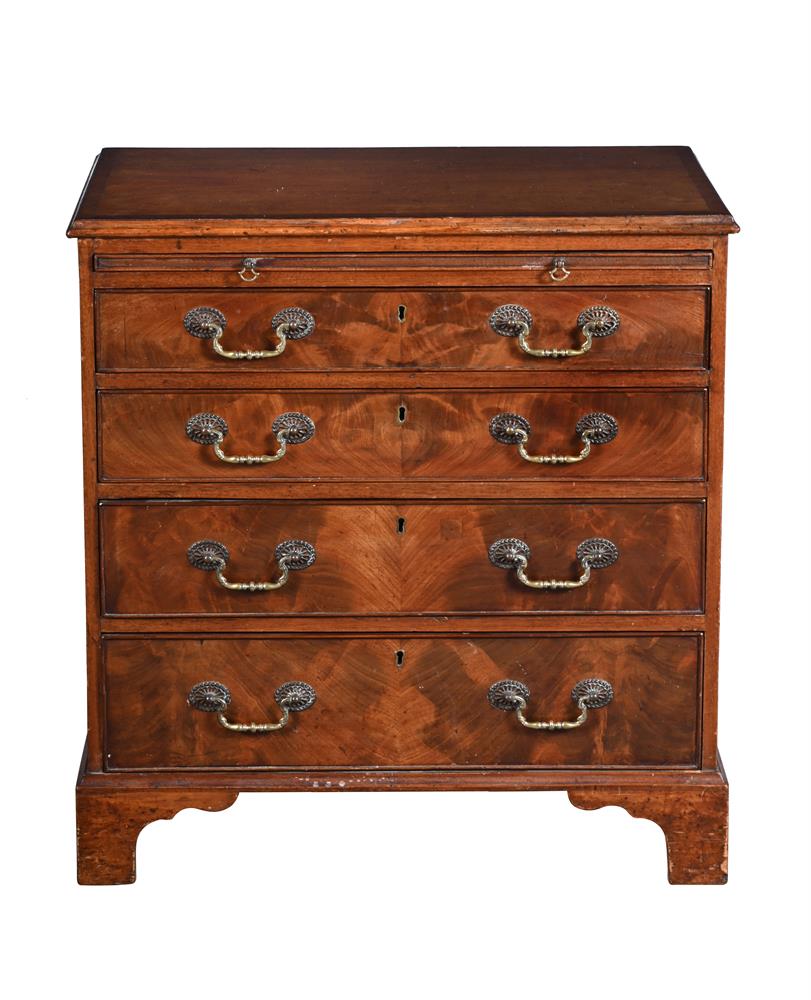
<point>403,624</point>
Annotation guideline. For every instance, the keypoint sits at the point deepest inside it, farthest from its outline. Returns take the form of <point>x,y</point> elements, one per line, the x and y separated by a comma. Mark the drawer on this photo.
<point>399,558</point>
<point>416,702</point>
<point>660,328</point>
<point>457,435</point>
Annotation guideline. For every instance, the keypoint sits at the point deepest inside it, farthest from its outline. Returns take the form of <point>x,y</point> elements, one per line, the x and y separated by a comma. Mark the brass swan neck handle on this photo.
<point>512,320</point>
<point>592,553</point>
<point>592,429</point>
<point>291,428</point>
<point>513,696</point>
<point>208,323</point>
<point>212,696</point>
<point>213,556</point>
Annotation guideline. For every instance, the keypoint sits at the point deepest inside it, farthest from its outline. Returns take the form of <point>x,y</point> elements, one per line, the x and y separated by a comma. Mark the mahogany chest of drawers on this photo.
<point>403,471</point>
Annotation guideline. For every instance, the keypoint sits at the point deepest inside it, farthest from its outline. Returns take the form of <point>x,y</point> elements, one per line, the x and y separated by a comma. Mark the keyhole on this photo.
<point>401,313</point>
<point>401,415</point>
<point>399,657</point>
<point>400,525</point>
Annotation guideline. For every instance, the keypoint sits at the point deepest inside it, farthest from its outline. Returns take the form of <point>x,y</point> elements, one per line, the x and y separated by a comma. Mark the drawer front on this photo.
<point>395,558</point>
<point>455,435</point>
<point>403,268</point>
<point>413,703</point>
<point>363,330</point>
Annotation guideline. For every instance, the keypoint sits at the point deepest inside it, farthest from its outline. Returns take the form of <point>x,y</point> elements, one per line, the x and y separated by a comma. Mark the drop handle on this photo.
<point>516,321</point>
<point>208,323</point>
<point>592,553</point>
<point>558,271</point>
<point>288,428</point>
<point>212,696</point>
<point>213,556</point>
<point>249,271</point>
<point>593,428</point>
<point>513,696</point>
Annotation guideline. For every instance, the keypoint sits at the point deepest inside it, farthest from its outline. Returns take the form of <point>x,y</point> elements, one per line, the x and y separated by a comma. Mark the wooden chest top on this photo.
<point>187,192</point>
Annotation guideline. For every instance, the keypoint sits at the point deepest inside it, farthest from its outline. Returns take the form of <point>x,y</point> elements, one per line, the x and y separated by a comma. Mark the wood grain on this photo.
<point>426,707</point>
<point>146,571</point>
<point>366,565</point>
<point>446,436</point>
<point>357,435</point>
<point>695,823</point>
<point>363,436</point>
<point>393,241</point>
<point>660,328</point>
<point>683,273</point>
<point>108,824</point>
<point>541,622</point>
<point>690,806</point>
<point>283,266</point>
<point>446,568</point>
<point>194,191</point>
<point>715,458</point>
<point>357,330</point>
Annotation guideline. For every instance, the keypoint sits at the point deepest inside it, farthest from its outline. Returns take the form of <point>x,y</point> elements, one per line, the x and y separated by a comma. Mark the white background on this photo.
<point>394,896</point>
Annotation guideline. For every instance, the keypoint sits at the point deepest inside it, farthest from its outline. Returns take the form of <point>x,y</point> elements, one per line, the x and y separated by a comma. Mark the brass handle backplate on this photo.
<point>212,696</point>
<point>208,323</point>
<point>592,553</point>
<point>512,696</point>
<point>512,320</point>
<point>211,429</point>
<point>593,428</point>
<point>212,556</point>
